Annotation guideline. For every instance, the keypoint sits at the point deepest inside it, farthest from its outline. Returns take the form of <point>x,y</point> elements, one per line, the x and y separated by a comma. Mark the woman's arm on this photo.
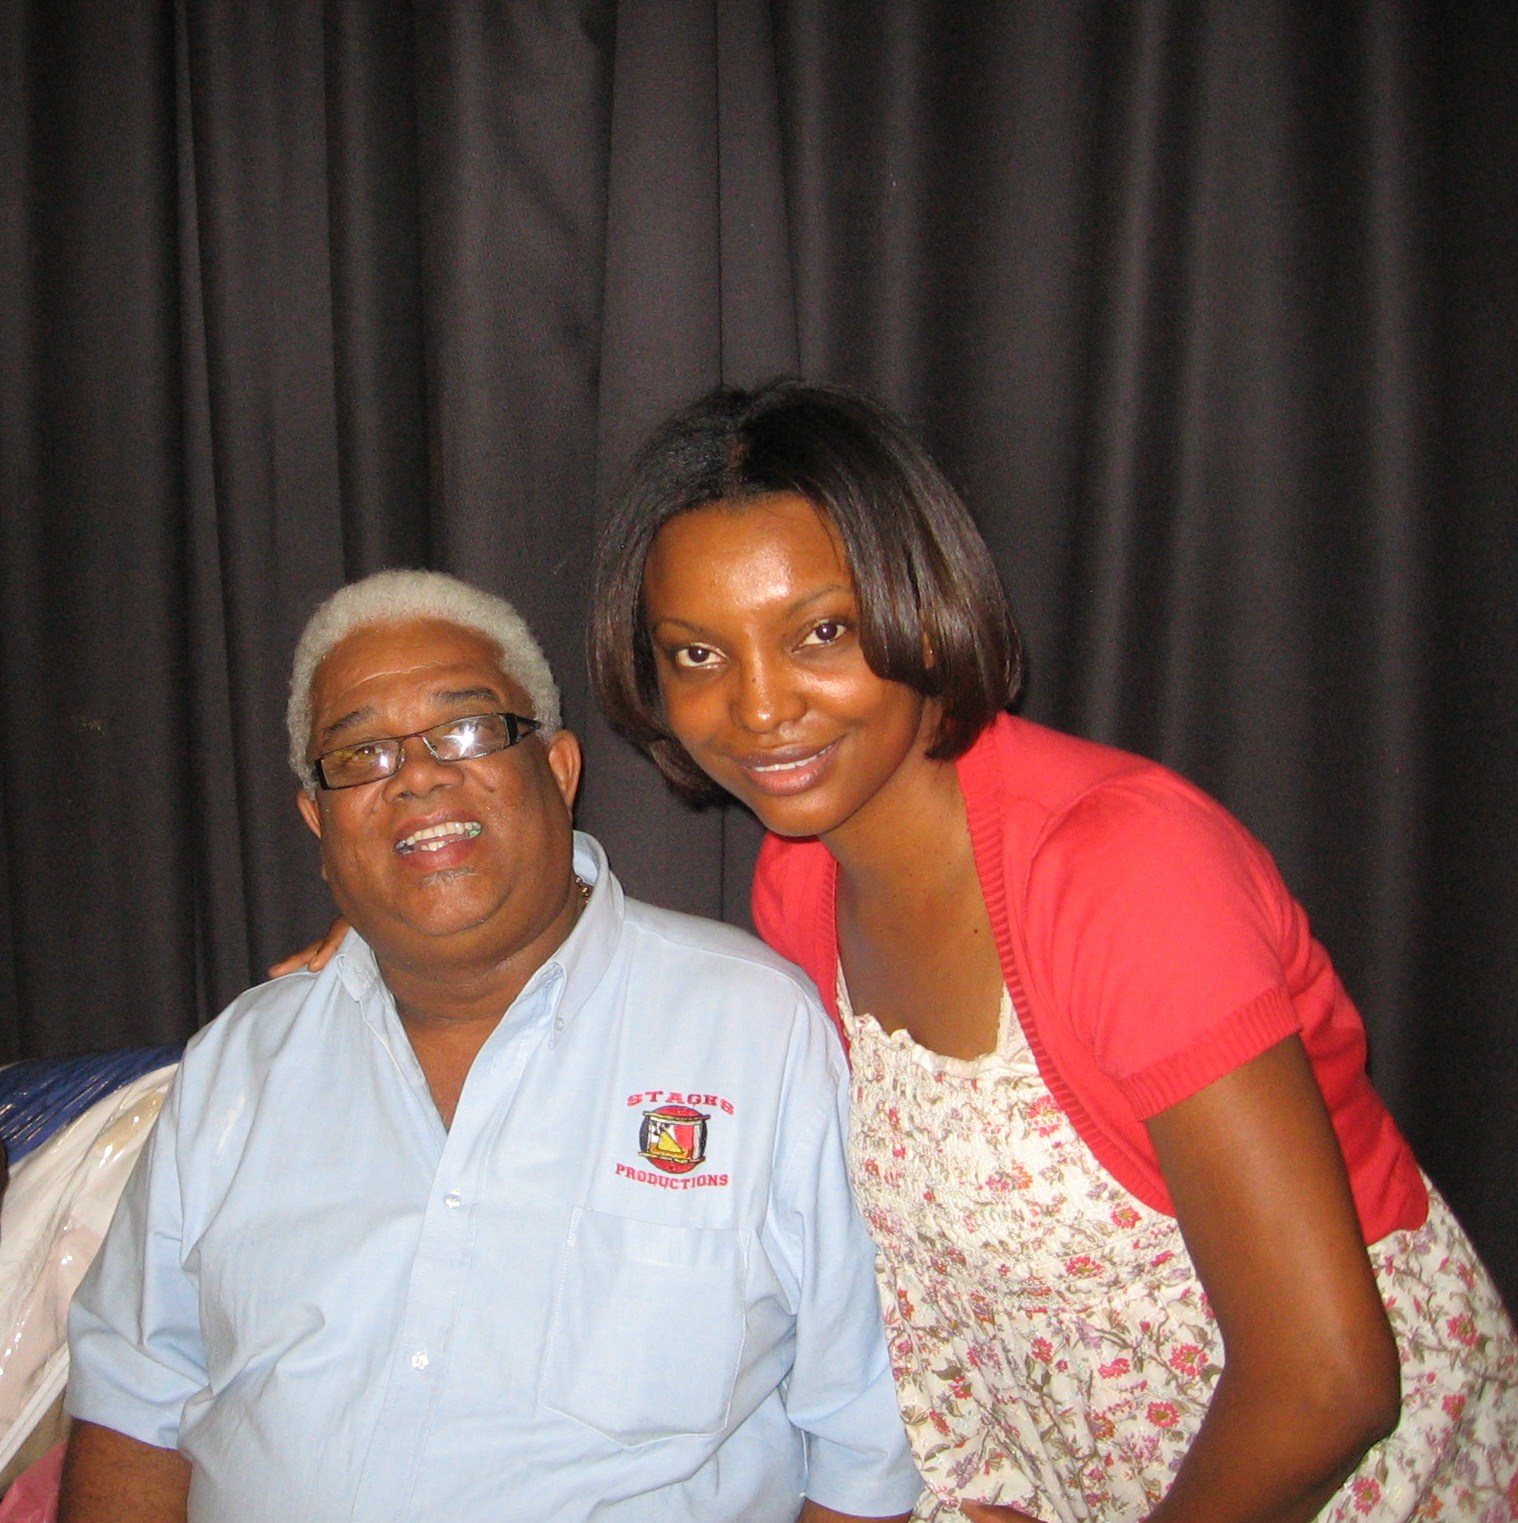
<point>1311,1376</point>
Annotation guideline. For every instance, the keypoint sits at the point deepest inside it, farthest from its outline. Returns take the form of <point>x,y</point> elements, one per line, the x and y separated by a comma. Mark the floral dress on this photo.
<point>1053,1347</point>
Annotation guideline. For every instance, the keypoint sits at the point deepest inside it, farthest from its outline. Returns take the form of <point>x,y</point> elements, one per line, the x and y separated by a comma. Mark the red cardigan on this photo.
<point>1149,947</point>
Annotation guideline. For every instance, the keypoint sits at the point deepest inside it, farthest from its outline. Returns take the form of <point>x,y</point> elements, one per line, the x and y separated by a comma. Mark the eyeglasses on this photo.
<point>454,740</point>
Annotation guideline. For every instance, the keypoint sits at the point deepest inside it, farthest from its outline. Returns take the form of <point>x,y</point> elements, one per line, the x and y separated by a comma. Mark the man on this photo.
<point>531,1205</point>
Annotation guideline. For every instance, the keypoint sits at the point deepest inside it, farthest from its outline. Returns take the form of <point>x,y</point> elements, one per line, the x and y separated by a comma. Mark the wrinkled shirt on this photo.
<point>628,1283</point>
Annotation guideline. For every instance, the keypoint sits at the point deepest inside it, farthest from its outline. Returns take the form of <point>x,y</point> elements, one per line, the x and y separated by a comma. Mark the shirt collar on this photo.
<point>584,955</point>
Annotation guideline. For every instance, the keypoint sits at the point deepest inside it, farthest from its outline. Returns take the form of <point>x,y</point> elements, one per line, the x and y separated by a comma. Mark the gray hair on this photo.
<point>396,597</point>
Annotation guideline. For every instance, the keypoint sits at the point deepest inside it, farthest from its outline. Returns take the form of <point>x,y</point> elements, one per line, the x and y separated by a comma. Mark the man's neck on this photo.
<point>449,1010</point>
<point>446,1049</point>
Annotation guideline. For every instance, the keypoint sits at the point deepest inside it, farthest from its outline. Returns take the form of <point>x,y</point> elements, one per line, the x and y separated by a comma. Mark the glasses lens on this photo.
<point>453,740</point>
<point>476,735</point>
<point>362,763</point>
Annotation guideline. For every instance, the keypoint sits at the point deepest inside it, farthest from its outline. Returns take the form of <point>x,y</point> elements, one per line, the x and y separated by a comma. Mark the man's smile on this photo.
<point>436,837</point>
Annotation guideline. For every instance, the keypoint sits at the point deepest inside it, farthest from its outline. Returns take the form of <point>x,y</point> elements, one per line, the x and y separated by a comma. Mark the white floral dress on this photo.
<point>1052,1345</point>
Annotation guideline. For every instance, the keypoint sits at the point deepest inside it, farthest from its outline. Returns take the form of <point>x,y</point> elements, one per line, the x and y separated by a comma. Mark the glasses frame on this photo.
<point>518,728</point>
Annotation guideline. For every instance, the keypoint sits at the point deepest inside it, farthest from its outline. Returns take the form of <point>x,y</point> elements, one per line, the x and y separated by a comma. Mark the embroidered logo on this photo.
<point>673,1138</point>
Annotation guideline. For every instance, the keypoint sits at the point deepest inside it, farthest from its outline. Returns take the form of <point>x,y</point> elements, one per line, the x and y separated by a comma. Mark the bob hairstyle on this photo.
<point>920,566</point>
<point>398,597</point>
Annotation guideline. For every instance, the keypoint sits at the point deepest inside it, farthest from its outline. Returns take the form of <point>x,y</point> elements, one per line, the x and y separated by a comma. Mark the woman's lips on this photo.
<point>780,774</point>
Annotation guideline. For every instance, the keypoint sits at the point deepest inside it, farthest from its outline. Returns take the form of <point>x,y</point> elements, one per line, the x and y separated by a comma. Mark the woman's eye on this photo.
<point>692,656</point>
<point>827,632</point>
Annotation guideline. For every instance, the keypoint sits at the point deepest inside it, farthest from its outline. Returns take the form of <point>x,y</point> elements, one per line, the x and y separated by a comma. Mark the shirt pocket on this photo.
<point>647,1328</point>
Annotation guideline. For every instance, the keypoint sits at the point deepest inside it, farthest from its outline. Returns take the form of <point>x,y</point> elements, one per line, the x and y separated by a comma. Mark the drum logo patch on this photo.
<point>673,1138</point>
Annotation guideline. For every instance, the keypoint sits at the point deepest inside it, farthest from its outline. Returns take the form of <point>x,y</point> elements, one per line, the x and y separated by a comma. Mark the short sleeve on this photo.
<point>135,1355</point>
<point>1159,926</point>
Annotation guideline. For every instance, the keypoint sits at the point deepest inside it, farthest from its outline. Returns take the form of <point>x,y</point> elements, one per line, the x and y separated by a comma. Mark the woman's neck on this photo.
<point>914,937</point>
<point>913,838</point>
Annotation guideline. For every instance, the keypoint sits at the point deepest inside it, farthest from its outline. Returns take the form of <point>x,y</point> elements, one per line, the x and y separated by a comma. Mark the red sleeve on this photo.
<point>1161,929</point>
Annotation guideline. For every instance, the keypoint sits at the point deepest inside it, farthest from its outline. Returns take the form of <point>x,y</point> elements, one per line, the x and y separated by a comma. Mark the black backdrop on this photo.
<point>1209,308</point>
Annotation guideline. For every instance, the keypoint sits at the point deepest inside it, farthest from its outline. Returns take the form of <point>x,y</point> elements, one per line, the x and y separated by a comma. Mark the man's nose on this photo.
<point>419,770</point>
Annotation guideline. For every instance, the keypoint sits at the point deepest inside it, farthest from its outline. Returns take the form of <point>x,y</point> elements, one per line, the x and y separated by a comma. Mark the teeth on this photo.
<point>790,766</point>
<point>436,837</point>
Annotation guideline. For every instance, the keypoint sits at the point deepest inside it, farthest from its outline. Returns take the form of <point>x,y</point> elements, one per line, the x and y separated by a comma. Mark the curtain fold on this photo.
<point>1207,308</point>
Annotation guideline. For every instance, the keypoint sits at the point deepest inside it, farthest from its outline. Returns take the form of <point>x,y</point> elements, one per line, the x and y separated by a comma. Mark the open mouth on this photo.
<point>795,764</point>
<point>436,837</point>
<point>793,774</point>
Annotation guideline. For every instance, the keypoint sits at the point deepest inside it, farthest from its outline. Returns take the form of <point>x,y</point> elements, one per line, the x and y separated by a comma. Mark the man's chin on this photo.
<point>439,926</point>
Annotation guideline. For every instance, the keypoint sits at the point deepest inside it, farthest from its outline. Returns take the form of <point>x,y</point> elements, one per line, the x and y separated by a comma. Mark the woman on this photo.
<point>1111,1117</point>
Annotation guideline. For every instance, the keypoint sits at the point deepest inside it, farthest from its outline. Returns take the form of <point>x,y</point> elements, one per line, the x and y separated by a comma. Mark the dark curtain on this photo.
<point>1208,307</point>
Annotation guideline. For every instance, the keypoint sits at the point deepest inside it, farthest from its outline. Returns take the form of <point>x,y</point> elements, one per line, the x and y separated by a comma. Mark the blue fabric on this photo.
<point>629,1280</point>
<point>38,1096</point>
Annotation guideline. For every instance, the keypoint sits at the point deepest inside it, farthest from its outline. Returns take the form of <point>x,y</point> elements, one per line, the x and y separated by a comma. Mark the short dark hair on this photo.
<point>918,562</point>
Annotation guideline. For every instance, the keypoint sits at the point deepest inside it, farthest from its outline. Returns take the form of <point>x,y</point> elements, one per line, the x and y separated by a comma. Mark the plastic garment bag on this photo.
<point>60,1200</point>
<point>40,1096</point>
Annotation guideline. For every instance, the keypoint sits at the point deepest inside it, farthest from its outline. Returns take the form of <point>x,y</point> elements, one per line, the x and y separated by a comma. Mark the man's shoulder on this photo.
<point>708,987</point>
<point>261,1021</point>
<point>714,942</point>
<point>719,969</point>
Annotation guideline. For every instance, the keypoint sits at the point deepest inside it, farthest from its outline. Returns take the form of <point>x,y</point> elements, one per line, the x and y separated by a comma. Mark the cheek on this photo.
<point>689,714</point>
<point>346,836</point>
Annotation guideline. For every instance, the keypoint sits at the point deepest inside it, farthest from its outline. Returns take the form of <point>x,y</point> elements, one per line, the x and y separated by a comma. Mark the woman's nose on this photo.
<point>767,698</point>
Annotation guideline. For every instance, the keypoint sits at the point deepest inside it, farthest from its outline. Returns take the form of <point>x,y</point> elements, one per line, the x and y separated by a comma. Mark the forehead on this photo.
<point>778,533</point>
<point>385,666</point>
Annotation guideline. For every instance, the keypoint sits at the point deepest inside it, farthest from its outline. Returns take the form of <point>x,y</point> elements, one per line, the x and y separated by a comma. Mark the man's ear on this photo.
<point>564,762</point>
<point>310,810</point>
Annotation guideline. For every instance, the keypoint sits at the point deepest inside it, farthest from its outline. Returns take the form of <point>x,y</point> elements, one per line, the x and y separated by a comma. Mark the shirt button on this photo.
<point>419,1361</point>
<point>558,1024</point>
<point>453,1200</point>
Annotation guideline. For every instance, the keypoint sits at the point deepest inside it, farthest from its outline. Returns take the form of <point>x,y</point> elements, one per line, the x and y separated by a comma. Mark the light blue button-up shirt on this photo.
<point>628,1283</point>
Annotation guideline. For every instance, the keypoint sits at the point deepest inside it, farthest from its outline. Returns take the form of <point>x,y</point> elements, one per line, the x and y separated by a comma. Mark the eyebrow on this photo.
<point>789,611</point>
<point>448,697</point>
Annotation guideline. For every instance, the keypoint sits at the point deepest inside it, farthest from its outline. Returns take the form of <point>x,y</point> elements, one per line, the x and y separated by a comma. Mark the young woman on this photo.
<point>1112,1128</point>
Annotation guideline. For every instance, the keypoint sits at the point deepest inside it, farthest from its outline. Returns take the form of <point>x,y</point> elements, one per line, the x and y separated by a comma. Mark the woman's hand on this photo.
<point>316,956</point>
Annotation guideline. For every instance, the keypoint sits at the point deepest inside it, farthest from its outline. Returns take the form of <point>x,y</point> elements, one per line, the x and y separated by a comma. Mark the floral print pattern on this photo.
<point>1052,1345</point>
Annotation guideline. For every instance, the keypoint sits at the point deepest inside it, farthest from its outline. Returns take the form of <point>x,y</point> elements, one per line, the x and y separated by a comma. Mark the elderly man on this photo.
<point>530,1205</point>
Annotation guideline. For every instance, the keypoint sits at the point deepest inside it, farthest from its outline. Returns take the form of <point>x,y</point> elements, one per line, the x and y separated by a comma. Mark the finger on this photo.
<point>313,958</point>
<point>295,963</point>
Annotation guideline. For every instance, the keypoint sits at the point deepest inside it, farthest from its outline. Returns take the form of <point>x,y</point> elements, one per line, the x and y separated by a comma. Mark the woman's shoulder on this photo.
<point>789,879</point>
<point>1058,796</point>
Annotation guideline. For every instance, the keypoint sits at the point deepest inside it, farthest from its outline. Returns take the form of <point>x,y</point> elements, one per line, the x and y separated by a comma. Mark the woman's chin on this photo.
<point>797,817</point>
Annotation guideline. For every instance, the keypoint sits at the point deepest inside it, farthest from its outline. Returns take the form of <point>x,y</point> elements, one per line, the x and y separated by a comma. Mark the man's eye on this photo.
<point>464,732</point>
